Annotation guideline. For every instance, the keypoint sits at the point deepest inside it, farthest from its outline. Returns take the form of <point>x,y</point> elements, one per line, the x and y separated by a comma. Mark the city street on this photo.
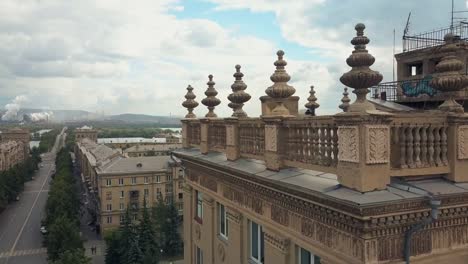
<point>20,222</point>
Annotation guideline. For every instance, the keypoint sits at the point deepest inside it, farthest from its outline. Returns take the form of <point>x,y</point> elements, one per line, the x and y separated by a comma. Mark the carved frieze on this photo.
<point>234,216</point>
<point>230,135</point>
<point>276,241</point>
<point>463,142</point>
<point>378,144</point>
<point>271,135</point>
<point>279,215</point>
<point>209,183</point>
<point>348,143</point>
<point>244,199</point>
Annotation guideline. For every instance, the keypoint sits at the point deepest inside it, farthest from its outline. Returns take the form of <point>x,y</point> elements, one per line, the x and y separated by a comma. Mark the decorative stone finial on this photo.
<point>360,77</point>
<point>190,103</point>
<point>238,96</point>
<point>447,77</point>
<point>211,101</point>
<point>280,89</point>
<point>345,101</point>
<point>312,104</point>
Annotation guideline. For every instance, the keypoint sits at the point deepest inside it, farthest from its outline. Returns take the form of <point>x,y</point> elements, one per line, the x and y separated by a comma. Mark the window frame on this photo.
<point>222,217</point>
<point>121,181</point>
<point>109,219</point>
<point>260,244</point>
<point>108,182</point>
<point>199,206</point>
<point>198,255</point>
<point>134,180</point>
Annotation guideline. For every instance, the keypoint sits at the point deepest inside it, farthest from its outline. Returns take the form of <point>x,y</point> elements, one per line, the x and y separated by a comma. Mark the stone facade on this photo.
<point>116,182</point>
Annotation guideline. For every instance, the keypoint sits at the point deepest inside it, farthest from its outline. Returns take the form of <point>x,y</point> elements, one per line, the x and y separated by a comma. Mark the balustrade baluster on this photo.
<point>409,147</point>
<point>328,145</point>
<point>431,144</point>
<point>424,145</point>
<point>306,137</point>
<point>335,145</point>
<point>444,145</point>
<point>437,149</point>
<point>403,163</point>
<point>417,146</point>
<point>316,145</point>
<point>323,160</point>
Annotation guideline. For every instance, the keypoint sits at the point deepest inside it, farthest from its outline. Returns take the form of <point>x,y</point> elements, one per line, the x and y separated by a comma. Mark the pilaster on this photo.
<point>185,142</point>
<point>204,123</point>
<point>208,230</point>
<point>235,241</point>
<point>457,147</point>
<point>364,150</point>
<point>232,138</point>
<point>273,144</point>
<point>188,218</point>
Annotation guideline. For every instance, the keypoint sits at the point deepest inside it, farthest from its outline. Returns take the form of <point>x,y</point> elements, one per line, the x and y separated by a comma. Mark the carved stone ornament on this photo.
<point>211,101</point>
<point>360,77</point>
<point>221,252</point>
<point>348,144</point>
<point>378,144</point>
<point>238,96</point>
<point>345,101</point>
<point>280,89</point>
<point>271,138</point>
<point>278,242</point>
<point>230,135</point>
<point>463,142</point>
<point>197,232</point>
<point>190,102</point>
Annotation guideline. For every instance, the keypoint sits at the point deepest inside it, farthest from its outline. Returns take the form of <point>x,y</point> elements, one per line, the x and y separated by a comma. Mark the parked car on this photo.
<point>17,198</point>
<point>41,166</point>
<point>43,230</point>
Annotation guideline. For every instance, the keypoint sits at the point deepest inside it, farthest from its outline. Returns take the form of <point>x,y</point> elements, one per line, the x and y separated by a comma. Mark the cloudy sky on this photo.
<point>138,56</point>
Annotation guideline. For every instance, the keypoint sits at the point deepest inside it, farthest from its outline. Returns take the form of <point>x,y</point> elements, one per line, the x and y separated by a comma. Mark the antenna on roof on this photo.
<point>405,32</point>
<point>451,21</point>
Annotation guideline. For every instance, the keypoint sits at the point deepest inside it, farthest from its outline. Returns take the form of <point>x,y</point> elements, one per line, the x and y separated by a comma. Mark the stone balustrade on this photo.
<point>364,147</point>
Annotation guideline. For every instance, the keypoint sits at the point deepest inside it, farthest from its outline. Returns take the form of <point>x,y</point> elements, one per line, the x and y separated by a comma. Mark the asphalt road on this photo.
<point>20,222</point>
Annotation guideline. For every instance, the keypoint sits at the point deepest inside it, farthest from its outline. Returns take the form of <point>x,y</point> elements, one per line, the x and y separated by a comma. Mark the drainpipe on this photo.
<point>418,226</point>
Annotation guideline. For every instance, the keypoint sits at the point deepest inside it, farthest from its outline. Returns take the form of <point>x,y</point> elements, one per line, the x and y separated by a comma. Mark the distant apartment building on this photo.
<point>85,132</point>
<point>14,147</point>
<point>151,150</point>
<point>362,186</point>
<point>116,182</point>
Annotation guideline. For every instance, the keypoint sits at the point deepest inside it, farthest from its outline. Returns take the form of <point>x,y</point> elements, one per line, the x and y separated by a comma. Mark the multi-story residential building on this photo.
<point>362,186</point>
<point>151,150</point>
<point>17,135</point>
<point>85,132</point>
<point>117,182</point>
<point>11,153</point>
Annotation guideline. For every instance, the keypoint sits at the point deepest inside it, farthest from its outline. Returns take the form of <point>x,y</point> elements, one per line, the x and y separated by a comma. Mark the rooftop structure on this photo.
<point>151,150</point>
<point>362,186</point>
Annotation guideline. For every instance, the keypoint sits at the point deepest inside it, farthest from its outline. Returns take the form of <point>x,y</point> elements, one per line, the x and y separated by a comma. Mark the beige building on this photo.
<point>151,150</point>
<point>116,182</point>
<point>11,154</point>
<point>17,135</point>
<point>362,186</point>
<point>85,132</point>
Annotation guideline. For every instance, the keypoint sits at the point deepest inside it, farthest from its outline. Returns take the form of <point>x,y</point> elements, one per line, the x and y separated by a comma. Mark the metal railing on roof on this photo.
<point>434,38</point>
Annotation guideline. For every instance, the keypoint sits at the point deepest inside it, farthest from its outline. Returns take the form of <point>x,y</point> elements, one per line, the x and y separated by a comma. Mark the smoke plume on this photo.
<point>42,116</point>
<point>13,107</point>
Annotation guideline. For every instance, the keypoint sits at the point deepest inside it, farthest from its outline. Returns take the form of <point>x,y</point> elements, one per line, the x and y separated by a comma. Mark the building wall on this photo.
<point>323,232</point>
<point>85,133</point>
<point>11,153</point>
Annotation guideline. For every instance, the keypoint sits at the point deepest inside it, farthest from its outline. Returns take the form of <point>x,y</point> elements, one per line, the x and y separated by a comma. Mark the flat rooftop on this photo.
<point>326,184</point>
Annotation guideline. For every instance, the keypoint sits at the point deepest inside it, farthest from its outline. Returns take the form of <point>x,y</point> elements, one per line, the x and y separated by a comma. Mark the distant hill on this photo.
<point>140,118</point>
<point>81,115</point>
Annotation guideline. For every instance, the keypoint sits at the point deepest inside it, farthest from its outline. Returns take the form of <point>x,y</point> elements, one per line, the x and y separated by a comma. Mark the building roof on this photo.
<point>154,147</point>
<point>97,153</point>
<point>306,181</point>
<point>130,140</point>
<point>132,165</point>
<point>390,106</point>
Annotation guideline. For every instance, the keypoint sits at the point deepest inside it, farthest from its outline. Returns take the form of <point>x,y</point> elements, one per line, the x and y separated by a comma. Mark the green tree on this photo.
<point>63,235</point>
<point>171,243</point>
<point>146,237</point>
<point>75,256</point>
<point>113,254</point>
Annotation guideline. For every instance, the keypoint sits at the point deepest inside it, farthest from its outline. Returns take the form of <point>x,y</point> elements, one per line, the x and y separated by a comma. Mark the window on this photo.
<point>146,179</point>
<point>199,256</point>
<point>134,217</point>
<point>108,195</point>
<point>121,181</point>
<point>122,217</point>
<point>158,178</point>
<point>108,182</point>
<point>122,207</point>
<point>169,177</point>
<point>109,219</point>
<point>134,181</point>
<point>223,223</point>
<point>181,195</point>
<point>109,207</point>
<point>305,257</point>
<point>122,194</point>
<point>199,213</point>
<point>256,243</point>
<point>146,192</point>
